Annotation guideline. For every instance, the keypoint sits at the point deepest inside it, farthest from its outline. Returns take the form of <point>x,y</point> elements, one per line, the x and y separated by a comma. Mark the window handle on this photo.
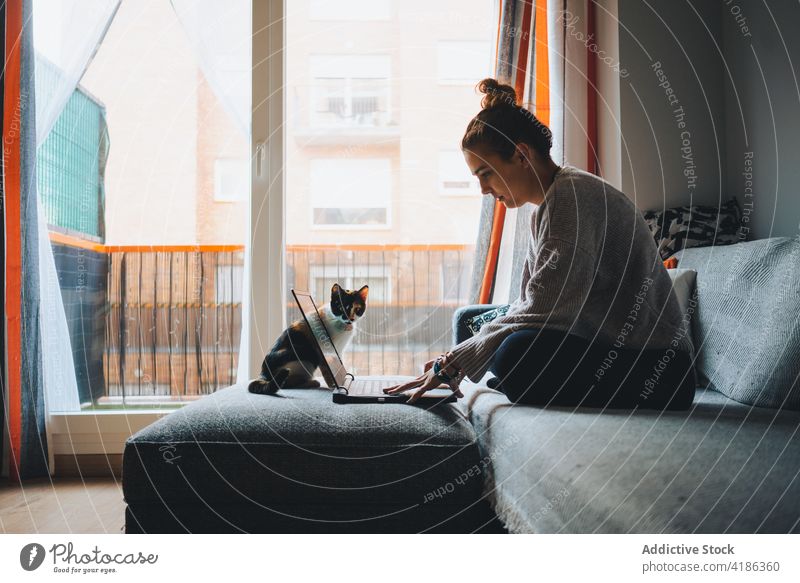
<point>260,149</point>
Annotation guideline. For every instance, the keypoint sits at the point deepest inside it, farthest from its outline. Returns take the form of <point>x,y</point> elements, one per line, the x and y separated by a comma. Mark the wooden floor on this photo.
<point>60,506</point>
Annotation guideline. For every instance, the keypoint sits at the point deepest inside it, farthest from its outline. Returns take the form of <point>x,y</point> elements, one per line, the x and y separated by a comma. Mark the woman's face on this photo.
<point>513,182</point>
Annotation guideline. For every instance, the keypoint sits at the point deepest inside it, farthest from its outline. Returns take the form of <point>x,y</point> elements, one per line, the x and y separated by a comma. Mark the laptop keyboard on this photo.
<point>369,387</point>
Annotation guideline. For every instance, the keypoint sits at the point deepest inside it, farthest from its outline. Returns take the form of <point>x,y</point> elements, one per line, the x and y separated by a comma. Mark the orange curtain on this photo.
<point>521,36</point>
<point>23,386</point>
<point>12,277</point>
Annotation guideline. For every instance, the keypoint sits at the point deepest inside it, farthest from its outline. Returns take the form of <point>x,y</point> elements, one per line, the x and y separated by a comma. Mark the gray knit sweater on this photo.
<point>592,270</point>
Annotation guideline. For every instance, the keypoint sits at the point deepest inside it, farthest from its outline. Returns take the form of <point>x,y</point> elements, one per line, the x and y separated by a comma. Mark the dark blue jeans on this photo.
<point>547,367</point>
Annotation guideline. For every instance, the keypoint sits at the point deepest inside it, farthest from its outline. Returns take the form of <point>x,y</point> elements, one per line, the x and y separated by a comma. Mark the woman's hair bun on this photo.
<point>496,94</point>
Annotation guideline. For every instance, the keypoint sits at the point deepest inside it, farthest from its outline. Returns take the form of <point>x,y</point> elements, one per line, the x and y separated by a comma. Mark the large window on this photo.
<point>378,96</point>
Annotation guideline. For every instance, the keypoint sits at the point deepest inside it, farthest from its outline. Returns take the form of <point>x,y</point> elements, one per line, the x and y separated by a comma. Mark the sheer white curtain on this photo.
<point>220,34</point>
<point>66,34</point>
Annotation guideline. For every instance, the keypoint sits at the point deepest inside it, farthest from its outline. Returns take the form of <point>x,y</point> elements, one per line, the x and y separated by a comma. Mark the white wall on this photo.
<point>731,65</point>
<point>664,163</point>
<point>762,106</point>
<point>609,145</point>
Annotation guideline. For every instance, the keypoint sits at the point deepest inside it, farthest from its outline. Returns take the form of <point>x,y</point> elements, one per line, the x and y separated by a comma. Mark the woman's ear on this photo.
<point>524,154</point>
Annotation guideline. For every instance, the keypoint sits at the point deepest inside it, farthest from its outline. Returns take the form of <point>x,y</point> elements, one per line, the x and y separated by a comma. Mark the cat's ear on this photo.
<point>363,292</point>
<point>336,290</point>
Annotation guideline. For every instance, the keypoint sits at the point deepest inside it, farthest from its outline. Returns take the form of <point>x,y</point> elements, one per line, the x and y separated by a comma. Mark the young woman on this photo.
<point>596,323</point>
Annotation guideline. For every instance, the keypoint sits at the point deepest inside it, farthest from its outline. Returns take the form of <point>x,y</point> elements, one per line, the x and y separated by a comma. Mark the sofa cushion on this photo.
<point>682,227</point>
<point>720,467</point>
<point>298,448</point>
<point>746,327</point>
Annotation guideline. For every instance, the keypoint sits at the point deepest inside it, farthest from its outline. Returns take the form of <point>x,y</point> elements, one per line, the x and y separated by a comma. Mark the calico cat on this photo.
<point>295,357</point>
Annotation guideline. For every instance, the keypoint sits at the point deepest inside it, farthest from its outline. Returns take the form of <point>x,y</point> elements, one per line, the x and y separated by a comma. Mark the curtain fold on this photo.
<point>221,40</point>
<point>3,395</point>
<point>26,450</point>
<point>66,35</point>
<point>570,93</point>
<point>48,46</point>
<point>552,76</point>
<point>543,83</point>
<point>517,47</point>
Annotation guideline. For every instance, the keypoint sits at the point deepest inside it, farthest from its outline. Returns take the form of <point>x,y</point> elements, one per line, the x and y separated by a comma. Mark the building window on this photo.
<point>454,175</point>
<point>350,10</point>
<point>350,90</point>
<point>355,192</point>
<point>463,62</point>
<point>322,278</point>
<point>231,179</point>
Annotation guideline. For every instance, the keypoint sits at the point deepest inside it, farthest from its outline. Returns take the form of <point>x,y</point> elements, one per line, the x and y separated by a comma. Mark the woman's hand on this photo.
<point>426,381</point>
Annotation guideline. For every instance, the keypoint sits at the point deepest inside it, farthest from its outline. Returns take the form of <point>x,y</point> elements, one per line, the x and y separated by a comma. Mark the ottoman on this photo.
<point>296,462</point>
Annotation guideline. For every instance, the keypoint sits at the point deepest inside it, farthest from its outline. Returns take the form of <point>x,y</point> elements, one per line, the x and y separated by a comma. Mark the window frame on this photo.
<point>265,297</point>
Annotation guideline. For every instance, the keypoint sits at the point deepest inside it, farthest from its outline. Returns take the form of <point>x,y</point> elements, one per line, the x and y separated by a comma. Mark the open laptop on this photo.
<point>346,388</point>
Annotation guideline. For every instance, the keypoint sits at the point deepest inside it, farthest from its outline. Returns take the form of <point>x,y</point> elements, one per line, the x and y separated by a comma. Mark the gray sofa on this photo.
<point>723,466</point>
<point>296,462</point>
<point>236,462</point>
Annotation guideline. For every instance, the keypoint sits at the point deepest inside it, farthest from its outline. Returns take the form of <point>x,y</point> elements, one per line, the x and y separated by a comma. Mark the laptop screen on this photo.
<point>332,367</point>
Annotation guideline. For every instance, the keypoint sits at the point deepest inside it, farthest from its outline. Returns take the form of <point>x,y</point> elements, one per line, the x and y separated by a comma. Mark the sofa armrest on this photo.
<point>464,313</point>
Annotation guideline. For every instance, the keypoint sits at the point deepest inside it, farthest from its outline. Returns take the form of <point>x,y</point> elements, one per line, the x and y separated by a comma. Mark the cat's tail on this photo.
<point>265,386</point>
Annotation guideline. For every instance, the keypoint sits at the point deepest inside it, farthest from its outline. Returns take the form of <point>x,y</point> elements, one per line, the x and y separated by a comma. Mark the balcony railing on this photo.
<point>173,315</point>
<point>414,290</point>
<point>348,103</point>
<point>173,322</point>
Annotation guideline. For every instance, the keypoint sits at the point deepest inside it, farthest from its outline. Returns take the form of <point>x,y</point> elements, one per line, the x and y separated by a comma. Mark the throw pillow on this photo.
<point>476,322</point>
<point>694,226</point>
<point>746,324</point>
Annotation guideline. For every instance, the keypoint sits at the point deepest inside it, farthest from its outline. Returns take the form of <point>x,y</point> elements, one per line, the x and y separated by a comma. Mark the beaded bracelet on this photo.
<point>437,370</point>
<point>443,376</point>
